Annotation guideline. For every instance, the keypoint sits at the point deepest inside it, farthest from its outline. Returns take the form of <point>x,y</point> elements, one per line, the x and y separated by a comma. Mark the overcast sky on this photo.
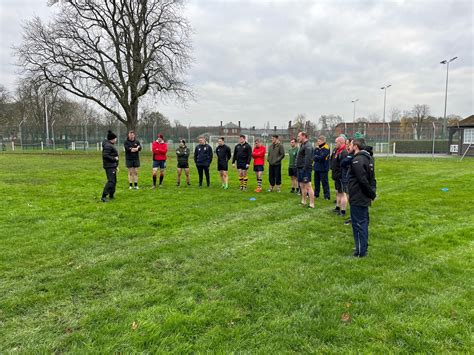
<point>259,61</point>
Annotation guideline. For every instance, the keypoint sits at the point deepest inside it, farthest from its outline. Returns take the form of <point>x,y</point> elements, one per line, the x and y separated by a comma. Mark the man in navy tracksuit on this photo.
<point>321,167</point>
<point>362,187</point>
<point>203,159</point>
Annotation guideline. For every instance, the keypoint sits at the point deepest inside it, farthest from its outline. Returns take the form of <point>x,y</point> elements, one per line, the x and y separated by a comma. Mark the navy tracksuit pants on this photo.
<point>360,229</point>
<point>321,177</point>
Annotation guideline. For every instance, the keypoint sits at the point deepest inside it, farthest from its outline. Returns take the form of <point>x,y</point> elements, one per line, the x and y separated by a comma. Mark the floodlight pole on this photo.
<point>354,117</point>
<point>445,122</point>
<point>384,88</point>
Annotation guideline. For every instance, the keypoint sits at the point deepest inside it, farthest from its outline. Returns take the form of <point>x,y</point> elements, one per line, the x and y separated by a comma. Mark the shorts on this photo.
<point>159,164</point>
<point>292,172</point>
<point>258,168</point>
<point>135,163</point>
<point>242,166</point>
<point>183,165</point>
<point>222,166</point>
<point>304,175</point>
<point>338,186</point>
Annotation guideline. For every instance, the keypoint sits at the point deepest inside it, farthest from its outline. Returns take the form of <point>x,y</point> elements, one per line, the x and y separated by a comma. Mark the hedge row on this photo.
<point>441,146</point>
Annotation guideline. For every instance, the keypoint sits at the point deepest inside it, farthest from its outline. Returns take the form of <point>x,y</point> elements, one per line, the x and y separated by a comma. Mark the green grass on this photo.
<point>193,269</point>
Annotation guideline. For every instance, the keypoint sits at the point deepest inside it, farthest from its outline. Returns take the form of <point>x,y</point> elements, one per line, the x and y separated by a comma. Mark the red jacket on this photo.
<point>258,155</point>
<point>159,150</point>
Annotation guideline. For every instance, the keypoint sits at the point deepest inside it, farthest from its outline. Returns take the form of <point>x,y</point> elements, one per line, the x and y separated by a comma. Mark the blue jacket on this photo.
<point>345,167</point>
<point>321,158</point>
<point>203,155</point>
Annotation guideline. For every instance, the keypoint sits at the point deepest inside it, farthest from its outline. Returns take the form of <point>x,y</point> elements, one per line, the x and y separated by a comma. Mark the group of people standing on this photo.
<point>351,164</point>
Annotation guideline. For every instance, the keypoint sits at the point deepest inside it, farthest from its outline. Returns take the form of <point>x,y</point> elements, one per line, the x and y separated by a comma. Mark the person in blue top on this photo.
<point>203,159</point>
<point>321,167</point>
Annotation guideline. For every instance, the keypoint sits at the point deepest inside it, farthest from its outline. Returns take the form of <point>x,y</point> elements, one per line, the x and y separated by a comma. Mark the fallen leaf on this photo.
<point>134,325</point>
<point>346,318</point>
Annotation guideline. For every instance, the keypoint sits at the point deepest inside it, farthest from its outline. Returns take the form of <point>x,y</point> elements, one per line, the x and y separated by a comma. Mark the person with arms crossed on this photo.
<point>321,167</point>
<point>159,149</point>
<point>304,164</point>
<point>362,191</point>
<point>276,153</point>
<point>182,155</point>
<point>203,159</point>
<point>243,156</point>
<point>223,154</point>
<point>340,152</point>
<point>132,159</point>
<point>110,161</point>
<point>258,156</point>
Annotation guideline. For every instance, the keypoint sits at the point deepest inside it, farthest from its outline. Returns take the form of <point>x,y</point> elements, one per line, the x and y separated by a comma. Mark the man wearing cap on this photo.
<point>110,163</point>
<point>159,149</point>
<point>243,156</point>
<point>276,153</point>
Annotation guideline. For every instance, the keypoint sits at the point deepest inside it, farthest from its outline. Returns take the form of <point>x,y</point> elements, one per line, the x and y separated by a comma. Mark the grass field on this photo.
<point>193,269</point>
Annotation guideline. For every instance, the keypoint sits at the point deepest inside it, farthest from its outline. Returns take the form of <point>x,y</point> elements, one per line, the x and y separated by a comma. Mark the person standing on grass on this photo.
<point>203,159</point>
<point>243,156</point>
<point>292,172</point>
<point>110,160</point>
<point>321,167</point>
<point>132,159</point>
<point>159,149</point>
<point>223,154</point>
<point>182,155</point>
<point>258,156</point>
<point>304,164</point>
<point>362,191</point>
<point>345,164</point>
<point>340,152</point>
<point>276,153</point>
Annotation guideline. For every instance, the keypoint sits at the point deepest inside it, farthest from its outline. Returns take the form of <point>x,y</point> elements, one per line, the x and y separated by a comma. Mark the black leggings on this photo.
<point>205,169</point>
<point>274,175</point>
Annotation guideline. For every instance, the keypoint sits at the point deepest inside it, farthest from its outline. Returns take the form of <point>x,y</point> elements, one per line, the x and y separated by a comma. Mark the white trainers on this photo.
<point>137,188</point>
<point>130,187</point>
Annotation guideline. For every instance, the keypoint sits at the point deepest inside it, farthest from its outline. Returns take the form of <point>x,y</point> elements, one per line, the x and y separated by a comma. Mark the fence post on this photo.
<point>394,146</point>
<point>98,149</point>
<point>42,145</point>
<point>13,145</point>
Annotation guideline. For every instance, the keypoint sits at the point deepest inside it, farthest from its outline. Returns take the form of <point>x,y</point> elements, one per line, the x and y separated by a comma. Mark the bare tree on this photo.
<point>420,113</point>
<point>110,52</point>
<point>373,117</point>
<point>394,114</point>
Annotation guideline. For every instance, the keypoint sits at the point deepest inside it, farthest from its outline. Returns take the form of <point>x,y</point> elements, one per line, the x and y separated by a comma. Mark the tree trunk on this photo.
<point>132,116</point>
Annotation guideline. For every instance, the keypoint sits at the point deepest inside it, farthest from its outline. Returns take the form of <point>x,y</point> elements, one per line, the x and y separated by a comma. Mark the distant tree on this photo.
<point>394,114</point>
<point>110,52</point>
<point>453,119</point>
<point>362,119</point>
<point>420,114</point>
<point>373,117</point>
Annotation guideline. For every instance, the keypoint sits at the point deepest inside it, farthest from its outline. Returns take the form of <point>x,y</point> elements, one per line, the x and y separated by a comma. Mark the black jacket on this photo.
<point>182,154</point>
<point>362,183</point>
<point>304,160</point>
<point>128,145</point>
<point>203,155</point>
<point>109,155</point>
<point>223,153</point>
<point>242,153</point>
<point>336,163</point>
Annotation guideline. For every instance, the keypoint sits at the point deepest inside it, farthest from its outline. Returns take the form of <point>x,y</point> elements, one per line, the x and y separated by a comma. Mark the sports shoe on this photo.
<point>130,187</point>
<point>153,187</point>
<point>258,189</point>
<point>278,190</point>
<point>270,190</point>
<point>137,188</point>
<point>336,210</point>
<point>103,199</point>
<point>348,221</point>
<point>226,187</point>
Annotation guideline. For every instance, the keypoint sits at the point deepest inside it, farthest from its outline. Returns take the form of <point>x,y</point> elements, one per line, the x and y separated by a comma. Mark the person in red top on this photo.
<point>258,156</point>
<point>159,149</point>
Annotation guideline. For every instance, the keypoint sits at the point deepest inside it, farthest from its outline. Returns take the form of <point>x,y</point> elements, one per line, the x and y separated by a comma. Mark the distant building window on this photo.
<point>469,136</point>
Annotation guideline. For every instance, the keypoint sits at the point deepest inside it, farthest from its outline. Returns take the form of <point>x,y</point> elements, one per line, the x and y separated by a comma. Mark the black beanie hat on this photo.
<point>111,135</point>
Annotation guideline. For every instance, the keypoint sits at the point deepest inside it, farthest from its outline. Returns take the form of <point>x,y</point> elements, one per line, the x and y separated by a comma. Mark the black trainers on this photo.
<point>336,210</point>
<point>103,199</point>
<point>348,221</point>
